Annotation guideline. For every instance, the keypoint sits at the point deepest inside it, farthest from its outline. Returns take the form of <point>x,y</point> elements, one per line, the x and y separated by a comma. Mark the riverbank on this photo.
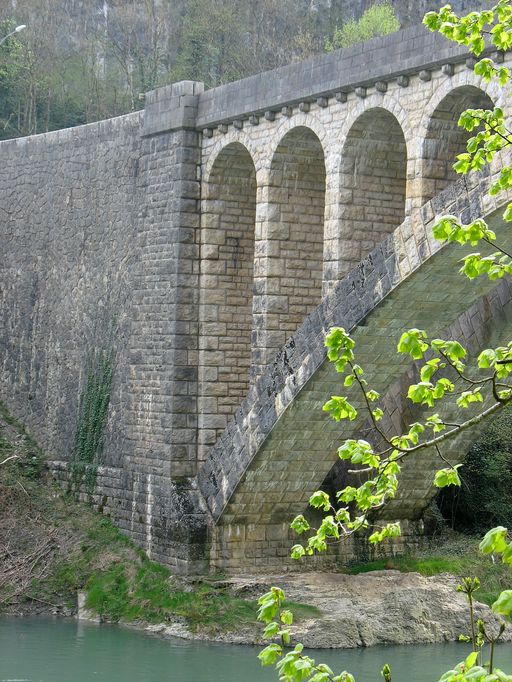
<point>52,547</point>
<point>369,609</point>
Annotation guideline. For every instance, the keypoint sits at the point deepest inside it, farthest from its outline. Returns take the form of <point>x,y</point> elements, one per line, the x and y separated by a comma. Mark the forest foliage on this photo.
<point>78,62</point>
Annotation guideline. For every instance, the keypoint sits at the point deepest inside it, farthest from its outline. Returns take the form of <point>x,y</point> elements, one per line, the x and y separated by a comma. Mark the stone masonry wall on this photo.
<point>373,183</point>
<point>69,234</point>
<point>263,481</point>
<point>384,149</point>
<point>290,245</point>
<point>444,141</point>
<point>227,273</point>
<point>100,258</point>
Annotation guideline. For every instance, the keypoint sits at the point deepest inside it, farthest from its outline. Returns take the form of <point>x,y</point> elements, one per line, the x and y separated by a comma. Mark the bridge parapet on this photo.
<point>371,64</point>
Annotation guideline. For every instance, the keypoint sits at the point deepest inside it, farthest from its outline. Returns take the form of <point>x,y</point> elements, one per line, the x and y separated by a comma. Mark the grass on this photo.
<point>457,555</point>
<point>129,587</point>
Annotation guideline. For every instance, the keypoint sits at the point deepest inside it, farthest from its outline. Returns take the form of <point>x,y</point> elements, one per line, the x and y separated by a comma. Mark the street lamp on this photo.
<point>16,30</point>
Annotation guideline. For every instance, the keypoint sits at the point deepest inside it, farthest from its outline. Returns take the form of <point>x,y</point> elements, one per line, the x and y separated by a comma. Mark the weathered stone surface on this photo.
<point>383,607</point>
<point>84,613</point>
<point>274,466</point>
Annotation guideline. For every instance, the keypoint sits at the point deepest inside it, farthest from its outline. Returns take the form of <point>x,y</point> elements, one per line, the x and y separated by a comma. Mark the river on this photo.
<point>53,650</point>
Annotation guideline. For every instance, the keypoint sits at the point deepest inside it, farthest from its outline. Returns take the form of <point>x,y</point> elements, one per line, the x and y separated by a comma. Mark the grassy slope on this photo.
<point>51,547</point>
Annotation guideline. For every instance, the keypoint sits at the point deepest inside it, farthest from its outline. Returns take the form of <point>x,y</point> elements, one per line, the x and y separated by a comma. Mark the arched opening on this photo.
<point>373,184</point>
<point>445,139</point>
<point>226,283</point>
<point>294,233</point>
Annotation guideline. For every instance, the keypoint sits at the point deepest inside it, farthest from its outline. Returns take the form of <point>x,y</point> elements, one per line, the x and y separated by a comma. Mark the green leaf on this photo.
<point>271,630</point>
<point>320,677</point>
<point>446,477</point>
<point>299,525</point>
<point>339,408</point>
<point>446,226</point>
<point>468,397</point>
<point>471,660</point>
<point>503,605</point>
<point>507,215</point>
<point>485,68</point>
<point>318,543</point>
<point>506,556</point>
<point>328,528</point>
<point>454,350</point>
<point>386,673</point>
<point>287,617</point>
<point>411,343</point>
<point>435,423</point>
<point>495,540</point>
<point>297,552</point>
<point>320,500</point>
<point>486,358</point>
<point>431,21</point>
<point>429,369</point>
<point>339,345</point>
<point>270,654</point>
<point>391,530</point>
<point>421,393</point>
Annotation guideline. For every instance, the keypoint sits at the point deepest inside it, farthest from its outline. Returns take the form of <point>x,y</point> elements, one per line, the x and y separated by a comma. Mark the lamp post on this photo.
<point>16,30</point>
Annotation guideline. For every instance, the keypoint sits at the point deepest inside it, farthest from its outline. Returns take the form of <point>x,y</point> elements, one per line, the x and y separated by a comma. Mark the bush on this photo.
<point>378,20</point>
<point>485,497</point>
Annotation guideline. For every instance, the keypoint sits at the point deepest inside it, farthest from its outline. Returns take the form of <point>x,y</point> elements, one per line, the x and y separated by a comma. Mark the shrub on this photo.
<point>378,20</point>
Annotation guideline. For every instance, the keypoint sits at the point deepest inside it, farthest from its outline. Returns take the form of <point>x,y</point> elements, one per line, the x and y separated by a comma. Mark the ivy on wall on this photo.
<point>92,417</point>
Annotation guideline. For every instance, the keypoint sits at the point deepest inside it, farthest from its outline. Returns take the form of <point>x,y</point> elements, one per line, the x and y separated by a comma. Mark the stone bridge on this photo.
<point>208,243</point>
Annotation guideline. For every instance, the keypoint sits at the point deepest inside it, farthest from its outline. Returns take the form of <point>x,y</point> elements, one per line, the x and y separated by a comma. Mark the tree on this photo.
<point>83,61</point>
<point>447,374</point>
<point>133,39</point>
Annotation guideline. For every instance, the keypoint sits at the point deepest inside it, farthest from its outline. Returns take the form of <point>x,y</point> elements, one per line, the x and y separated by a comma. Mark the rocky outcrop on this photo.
<point>382,607</point>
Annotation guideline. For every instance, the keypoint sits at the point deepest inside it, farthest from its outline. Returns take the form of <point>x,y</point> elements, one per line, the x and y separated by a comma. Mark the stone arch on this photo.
<point>299,120</point>
<point>226,285</point>
<point>444,139</point>
<point>290,269</point>
<point>212,148</point>
<point>373,185</point>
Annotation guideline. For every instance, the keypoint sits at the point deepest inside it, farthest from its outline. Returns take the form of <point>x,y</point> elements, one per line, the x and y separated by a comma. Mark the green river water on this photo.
<point>46,650</point>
